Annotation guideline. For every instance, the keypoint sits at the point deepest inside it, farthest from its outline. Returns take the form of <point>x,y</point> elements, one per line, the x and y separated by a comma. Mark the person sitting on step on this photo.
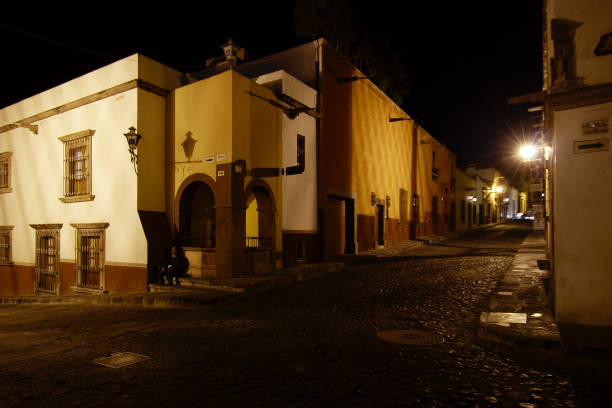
<point>172,267</point>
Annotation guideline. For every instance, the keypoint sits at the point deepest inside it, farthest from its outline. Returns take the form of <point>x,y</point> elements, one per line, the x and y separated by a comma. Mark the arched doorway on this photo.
<point>197,217</point>
<point>259,216</point>
<point>260,227</point>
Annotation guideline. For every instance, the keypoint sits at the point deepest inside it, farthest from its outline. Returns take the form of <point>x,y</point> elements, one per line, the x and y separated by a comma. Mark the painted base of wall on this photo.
<point>366,232</point>
<point>126,279</point>
<point>18,280</point>
<point>290,248</point>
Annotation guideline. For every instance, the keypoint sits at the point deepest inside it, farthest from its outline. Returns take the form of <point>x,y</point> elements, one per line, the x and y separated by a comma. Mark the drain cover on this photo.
<point>502,319</point>
<point>118,360</point>
<point>410,337</point>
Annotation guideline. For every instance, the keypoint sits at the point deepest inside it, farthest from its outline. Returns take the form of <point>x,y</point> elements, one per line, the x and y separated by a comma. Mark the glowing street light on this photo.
<point>528,152</point>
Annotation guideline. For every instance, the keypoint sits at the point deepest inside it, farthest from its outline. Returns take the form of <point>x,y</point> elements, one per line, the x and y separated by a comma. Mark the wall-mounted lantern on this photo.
<point>132,139</point>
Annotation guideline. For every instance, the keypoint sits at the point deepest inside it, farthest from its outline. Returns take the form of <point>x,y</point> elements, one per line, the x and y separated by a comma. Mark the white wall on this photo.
<point>299,191</point>
<point>583,225</point>
<point>37,180</point>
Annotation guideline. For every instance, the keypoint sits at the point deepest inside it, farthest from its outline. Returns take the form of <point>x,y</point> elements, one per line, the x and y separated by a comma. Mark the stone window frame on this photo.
<point>6,172</point>
<point>6,245</point>
<point>43,231</point>
<point>71,142</point>
<point>95,253</point>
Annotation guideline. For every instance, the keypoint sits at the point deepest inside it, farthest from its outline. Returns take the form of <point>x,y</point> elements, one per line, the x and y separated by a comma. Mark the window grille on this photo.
<point>77,166</point>
<point>47,258</point>
<point>76,169</point>
<point>5,245</point>
<point>89,265</point>
<point>5,172</point>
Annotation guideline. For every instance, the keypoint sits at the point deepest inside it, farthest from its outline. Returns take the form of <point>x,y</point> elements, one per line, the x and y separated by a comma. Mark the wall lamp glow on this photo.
<point>132,139</point>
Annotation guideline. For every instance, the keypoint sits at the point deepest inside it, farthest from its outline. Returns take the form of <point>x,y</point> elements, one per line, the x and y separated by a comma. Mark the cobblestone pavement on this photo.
<point>311,344</point>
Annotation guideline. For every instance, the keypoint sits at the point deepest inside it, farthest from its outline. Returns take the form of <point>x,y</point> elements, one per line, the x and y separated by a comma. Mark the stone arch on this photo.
<point>194,211</point>
<point>260,198</point>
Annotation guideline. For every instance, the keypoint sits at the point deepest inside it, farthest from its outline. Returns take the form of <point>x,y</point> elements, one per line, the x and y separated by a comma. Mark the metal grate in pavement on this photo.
<point>410,337</point>
<point>121,359</point>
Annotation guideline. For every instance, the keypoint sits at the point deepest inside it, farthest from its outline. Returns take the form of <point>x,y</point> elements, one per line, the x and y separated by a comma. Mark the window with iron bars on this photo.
<point>46,269</point>
<point>5,244</point>
<point>77,166</point>
<point>89,248</point>
<point>5,172</point>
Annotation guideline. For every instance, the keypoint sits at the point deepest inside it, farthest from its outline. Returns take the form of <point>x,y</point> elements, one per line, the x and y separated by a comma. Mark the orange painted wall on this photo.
<point>126,279</point>
<point>67,277</point>
<point>16,280</point>
<point>362,152</point>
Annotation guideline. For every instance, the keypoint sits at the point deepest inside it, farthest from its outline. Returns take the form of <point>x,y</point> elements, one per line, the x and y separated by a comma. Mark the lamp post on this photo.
<point>535,155</point>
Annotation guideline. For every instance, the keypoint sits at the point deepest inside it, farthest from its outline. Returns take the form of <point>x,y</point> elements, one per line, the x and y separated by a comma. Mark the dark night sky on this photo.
<point>464,58</point>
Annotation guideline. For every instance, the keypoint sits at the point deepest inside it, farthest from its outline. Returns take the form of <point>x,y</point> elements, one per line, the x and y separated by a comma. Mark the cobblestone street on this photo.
<point>312,344</point>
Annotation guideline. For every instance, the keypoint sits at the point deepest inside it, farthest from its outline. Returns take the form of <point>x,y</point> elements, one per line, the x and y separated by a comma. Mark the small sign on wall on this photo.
<point>220,173</point>
<point>221,156</point>
<point>209,159</point>
<point>592,145</point>
<point>595,126</point>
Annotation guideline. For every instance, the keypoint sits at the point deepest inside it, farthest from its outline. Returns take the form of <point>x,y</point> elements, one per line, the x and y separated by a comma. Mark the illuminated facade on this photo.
<point>216,167</point>
<point>75,203</point>
<point>577,106</point>
<point>243,164</point>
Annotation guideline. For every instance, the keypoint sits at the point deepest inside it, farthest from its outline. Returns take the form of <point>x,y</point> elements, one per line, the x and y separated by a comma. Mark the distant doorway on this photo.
<point>414,219</point>
<point>435,214</point>
<point>339,226</point>
<point>380,224</point>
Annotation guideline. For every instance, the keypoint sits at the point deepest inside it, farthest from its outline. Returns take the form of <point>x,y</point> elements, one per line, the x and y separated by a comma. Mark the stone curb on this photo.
<point>521,293</point>
<point>197,297</point>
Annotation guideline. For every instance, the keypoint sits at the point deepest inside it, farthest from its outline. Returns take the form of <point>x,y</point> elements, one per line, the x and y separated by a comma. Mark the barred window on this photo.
<point>5,244</point>
<point>77,166</point>
<point>89,265</point>
<point>47,258</point>
<point>5,172</point>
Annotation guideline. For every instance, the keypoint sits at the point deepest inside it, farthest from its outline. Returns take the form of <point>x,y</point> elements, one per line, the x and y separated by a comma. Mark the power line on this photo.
<point>58,42</point>
<point>74,47</point>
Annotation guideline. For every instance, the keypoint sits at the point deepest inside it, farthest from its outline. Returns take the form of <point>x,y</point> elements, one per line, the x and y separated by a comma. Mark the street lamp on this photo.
<point>132,139</point>
<point>528,152</point>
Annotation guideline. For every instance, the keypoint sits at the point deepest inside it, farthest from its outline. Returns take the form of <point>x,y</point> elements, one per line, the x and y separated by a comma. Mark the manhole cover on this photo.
<point>118,360</point>
<point>410,337</point>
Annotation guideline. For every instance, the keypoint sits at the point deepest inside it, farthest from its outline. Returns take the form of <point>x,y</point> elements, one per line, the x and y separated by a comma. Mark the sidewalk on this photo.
<point>519,311</point>
<point>202,293</point>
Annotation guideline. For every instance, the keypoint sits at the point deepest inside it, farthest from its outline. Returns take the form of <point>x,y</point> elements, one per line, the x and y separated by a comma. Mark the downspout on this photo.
<point>318,66</point>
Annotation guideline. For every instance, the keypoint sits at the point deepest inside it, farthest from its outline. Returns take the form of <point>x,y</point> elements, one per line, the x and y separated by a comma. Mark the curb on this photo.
<point>521,294</point>
<point>194,297</point>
